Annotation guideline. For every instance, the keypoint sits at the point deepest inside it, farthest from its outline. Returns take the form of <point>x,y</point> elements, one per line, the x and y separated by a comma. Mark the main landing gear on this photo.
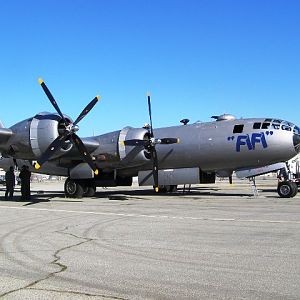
<point>79,188</point>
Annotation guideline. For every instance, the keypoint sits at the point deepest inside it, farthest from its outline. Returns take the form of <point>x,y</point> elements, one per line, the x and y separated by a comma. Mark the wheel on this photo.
<point>287,189</point>
<point>173,188</point>
<point>89,191</point>
<point>162,189</point>
<point>73,189</point>
<point>295,189</point>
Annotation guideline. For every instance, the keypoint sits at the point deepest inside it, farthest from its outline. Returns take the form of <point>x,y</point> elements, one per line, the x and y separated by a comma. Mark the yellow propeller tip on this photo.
<point>156,189</point>
<point>178,141</point>
<point>37,166</point>
<point>96,172</point>
<point>98,97</point>
<point>40,80</point>
<point>148,94</point>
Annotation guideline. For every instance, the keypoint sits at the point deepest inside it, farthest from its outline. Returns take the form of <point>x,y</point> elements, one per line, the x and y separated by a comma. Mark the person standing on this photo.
<point>25,175</point>
<point>10,183</point>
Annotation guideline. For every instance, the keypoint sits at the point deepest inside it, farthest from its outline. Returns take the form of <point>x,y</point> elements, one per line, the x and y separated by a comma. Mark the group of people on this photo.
<point>10,180</point>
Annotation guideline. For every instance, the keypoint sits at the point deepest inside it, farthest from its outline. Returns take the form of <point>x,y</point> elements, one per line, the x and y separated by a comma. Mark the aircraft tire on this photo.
<point>295,189</point>
<point>287,189</point>
<point>173,188</point>
<point>89,191</point>
<point>73,189</point>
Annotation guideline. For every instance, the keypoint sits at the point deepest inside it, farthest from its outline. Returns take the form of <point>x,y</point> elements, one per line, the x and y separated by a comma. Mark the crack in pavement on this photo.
<point>78,293</point>
<point>62,267</point>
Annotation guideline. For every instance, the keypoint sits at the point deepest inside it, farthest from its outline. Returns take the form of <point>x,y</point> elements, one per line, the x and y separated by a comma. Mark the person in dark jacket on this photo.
<point>10,183</point>
<point>25,175</point>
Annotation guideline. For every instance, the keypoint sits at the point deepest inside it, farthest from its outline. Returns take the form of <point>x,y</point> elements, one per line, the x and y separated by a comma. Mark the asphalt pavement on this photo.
<point>214,242</point>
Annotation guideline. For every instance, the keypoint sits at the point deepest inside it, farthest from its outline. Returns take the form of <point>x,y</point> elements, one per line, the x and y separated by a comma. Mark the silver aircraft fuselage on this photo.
<point>229,145</point>
<point>225,145</point>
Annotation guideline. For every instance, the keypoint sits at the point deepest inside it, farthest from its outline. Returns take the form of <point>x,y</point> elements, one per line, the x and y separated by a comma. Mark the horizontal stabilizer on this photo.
<point>252,172</point>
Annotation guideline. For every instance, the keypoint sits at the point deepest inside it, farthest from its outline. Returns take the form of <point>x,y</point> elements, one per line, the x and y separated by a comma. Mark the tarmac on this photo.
<point>214,242</point>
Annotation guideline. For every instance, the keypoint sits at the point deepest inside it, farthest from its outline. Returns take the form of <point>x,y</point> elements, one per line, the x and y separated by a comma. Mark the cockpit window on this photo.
<point>238,128</point>
<point>265,125</point>
<point>288,123</point>
<point>286,127</point>
<point>256,125</point>
<point>276,126</point>
<point>296,130</point>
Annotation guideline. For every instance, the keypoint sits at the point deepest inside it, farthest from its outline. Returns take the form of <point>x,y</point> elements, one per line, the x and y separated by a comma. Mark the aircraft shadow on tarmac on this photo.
<point>38,196</point>
<point>137,194</point>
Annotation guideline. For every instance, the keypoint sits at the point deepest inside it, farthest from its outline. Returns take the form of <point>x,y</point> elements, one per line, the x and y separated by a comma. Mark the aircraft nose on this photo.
<point>296,142</point>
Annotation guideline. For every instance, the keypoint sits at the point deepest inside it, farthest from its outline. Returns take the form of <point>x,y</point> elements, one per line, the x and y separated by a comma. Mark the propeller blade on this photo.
<point>155,168</point>
<point>150,115</point>
<point>136,142</point>
<point>167,141</point>
<point>83,151</point>
<point>54,146</point>
<point>51,98</point>
<point>87,109</point>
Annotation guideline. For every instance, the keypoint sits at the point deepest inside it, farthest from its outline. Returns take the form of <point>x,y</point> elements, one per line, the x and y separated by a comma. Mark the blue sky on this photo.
<point>198,58</point>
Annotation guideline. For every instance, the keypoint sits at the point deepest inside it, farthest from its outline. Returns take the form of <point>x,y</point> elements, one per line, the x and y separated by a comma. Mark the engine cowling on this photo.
<point>44,129</point>
<point>133,155</point>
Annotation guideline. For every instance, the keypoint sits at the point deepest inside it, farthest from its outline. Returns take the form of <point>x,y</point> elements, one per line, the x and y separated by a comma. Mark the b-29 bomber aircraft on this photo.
<point>162,157</point>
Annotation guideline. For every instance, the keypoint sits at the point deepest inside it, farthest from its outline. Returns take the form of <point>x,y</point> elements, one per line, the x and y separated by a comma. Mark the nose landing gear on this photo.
<point>287,183</point>
<point>287,189</point>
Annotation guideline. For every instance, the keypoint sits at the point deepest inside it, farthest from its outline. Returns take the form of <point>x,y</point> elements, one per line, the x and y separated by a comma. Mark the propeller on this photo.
<point>150,144</point>
<point>69,133</point>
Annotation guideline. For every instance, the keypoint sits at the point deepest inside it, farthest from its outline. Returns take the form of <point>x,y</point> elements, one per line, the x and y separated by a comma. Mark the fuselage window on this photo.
<point>268,120</point>
<point>256,125</point>
<point>238,128</point>
<point>265,125</point>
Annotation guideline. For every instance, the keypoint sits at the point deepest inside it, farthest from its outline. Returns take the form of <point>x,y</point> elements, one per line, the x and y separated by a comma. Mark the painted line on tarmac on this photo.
<point>152,216</point>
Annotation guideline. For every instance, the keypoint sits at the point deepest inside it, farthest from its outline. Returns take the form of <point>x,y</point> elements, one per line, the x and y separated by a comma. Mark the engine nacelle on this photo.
<point>44,129</point>
<point>33,136</point>
<point>133,155</point>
